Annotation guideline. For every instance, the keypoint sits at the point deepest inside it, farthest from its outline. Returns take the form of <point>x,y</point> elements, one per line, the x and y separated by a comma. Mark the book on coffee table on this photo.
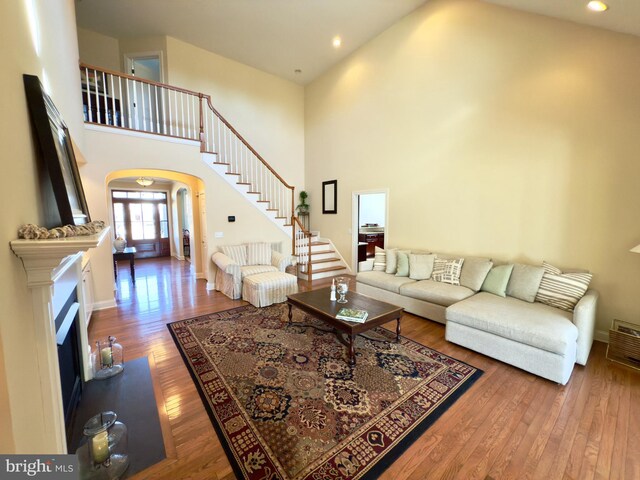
<point>352,315</point>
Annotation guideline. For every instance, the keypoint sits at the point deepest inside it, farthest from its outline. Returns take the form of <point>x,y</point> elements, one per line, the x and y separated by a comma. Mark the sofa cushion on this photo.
<point>380,260</point>
<point>497,280</point>
<point>247,270</point>
<point>474,271</point>
<point>237,253</point>
<point>436,292</point>
<point>447,271</point>
<point>420,266</point>
<point>383,280</point>
<point>533,324</point>
<point>259,254</point>
<point>524,282</point>
<point>562,290</point>
<point>403,264</point>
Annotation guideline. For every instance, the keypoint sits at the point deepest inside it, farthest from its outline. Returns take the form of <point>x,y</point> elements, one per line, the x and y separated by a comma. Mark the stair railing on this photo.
<point>115,99</point>
<point>301,248</point>
<point>221,139</point>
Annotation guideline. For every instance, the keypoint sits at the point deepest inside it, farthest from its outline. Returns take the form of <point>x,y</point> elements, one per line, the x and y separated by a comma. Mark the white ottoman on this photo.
<point>263,289</point>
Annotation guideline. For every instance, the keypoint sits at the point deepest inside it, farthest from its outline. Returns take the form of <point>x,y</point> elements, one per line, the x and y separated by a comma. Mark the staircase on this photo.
<point>142,105</point>
<point>325,261</point>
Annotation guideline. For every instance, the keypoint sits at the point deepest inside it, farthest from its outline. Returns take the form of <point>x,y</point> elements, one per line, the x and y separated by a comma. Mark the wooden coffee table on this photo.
<point>317,303</point>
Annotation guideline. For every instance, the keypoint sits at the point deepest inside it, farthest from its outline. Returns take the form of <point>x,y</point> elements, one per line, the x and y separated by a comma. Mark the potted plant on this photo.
<point>303,207</point>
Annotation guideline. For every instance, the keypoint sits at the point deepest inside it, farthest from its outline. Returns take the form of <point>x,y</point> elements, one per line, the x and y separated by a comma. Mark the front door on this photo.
<point>141,218</point>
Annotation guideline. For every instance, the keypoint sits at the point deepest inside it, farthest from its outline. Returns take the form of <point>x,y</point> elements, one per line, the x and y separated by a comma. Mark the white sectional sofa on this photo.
<point>539,338</point>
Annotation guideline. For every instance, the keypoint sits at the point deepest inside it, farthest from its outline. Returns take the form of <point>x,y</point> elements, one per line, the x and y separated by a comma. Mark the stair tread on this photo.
<point>325,260</point>
<point>322,252</point>
<point>242,183</point>
<point>221,163</point>
<point>327,269</point>
<point>232,173</point>
<point>319,243</point>
<point>254,193</point>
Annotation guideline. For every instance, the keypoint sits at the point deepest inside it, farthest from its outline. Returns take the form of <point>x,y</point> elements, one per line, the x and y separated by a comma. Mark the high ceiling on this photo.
<point>281,36</point>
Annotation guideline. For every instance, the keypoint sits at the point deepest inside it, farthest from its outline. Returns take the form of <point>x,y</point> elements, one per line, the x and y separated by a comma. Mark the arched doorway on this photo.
<point>128,202</point>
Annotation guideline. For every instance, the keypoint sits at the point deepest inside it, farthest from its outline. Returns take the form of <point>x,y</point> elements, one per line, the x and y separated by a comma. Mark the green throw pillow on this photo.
<point>403,265</point>
<point>497,280</point>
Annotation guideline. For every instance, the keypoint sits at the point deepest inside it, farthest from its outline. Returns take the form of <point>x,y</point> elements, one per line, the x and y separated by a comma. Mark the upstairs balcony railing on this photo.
<point>118,100</point>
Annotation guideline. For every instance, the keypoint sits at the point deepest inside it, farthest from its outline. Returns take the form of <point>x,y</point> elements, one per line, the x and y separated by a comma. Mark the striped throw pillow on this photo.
<point>380,260</point>
<point>259,254</point>
<point>447,271</point>
<point>237,253</point>
<point>562,290</point>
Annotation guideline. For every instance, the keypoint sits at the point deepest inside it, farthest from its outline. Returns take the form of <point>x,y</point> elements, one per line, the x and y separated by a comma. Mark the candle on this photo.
<point>107,357</point>
<point>100,446</point>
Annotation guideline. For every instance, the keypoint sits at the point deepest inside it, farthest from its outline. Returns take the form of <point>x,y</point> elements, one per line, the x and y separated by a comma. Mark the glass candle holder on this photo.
<point>107,359</point>
<point>103,453</point>
<point>342,285</point>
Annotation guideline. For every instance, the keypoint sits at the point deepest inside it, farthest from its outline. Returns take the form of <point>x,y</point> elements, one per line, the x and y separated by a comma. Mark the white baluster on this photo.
<point>163,92</point>
<point>121,100</point>
<point>113,102</point>
<point>95,76</point>
<point>89,112</point>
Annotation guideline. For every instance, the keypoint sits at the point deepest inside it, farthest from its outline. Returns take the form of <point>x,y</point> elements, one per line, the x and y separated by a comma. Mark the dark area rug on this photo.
<point>286,404</point>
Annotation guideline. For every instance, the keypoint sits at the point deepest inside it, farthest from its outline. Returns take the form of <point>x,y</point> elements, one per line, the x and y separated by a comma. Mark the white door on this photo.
<point>145,100</point>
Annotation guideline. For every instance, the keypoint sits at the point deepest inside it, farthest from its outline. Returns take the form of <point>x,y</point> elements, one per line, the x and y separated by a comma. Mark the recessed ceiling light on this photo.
<point>337,42</point>
<point>597,6</point>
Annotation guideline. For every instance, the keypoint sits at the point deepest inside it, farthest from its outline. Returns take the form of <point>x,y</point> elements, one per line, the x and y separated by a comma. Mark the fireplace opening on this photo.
<point>69,362</point>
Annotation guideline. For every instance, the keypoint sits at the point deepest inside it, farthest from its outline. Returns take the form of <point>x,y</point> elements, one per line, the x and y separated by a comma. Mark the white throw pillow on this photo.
<point>237,253</point>
<point>392,260</point>
<point>420,266</point>
<point>562,290</point>
<point>380,260</point>
<point>447,271</point>
<point>259,254</point>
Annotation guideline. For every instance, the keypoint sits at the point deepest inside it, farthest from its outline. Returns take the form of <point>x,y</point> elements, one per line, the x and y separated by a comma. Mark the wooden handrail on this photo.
<point>246,144</point>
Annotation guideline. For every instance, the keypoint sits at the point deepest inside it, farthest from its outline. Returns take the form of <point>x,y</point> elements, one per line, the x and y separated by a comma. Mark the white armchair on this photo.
<point>236,262</point>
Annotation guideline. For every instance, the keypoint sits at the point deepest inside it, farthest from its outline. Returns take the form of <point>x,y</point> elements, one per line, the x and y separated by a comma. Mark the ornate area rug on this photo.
<point>286,404</point>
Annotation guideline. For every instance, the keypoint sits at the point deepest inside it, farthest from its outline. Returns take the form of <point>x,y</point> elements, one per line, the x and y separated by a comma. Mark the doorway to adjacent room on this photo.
<point>369,224</point>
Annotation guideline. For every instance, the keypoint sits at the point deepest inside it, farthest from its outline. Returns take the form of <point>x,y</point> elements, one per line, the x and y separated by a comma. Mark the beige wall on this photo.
<point>56,57</point>
<point>497,133</point>
<point>99,50</point>
<point>267,111</point>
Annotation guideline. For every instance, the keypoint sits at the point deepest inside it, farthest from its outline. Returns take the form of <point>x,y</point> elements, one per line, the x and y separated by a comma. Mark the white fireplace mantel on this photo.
<point>52,266</point>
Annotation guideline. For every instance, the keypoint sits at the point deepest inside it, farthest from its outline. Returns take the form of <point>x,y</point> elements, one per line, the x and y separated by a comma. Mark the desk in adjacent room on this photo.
<point>127,254</point>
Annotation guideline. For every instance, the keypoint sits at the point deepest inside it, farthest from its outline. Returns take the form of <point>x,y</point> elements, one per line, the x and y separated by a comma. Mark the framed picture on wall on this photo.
<point>64,187</point>
<point>330,196</point>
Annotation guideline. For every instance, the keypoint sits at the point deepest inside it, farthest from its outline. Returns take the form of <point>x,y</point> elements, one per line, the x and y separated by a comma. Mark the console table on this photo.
<point>127,254</point>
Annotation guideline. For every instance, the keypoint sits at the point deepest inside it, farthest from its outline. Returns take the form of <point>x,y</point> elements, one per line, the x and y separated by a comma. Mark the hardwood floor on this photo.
<point>509,425</point>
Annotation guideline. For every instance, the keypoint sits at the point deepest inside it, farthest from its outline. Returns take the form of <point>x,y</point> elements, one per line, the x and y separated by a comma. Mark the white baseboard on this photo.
<point>104,304</point>
<point>200,276</point>
<point>601,336</point>
<point>211,286</point>
<point>179,257</point>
